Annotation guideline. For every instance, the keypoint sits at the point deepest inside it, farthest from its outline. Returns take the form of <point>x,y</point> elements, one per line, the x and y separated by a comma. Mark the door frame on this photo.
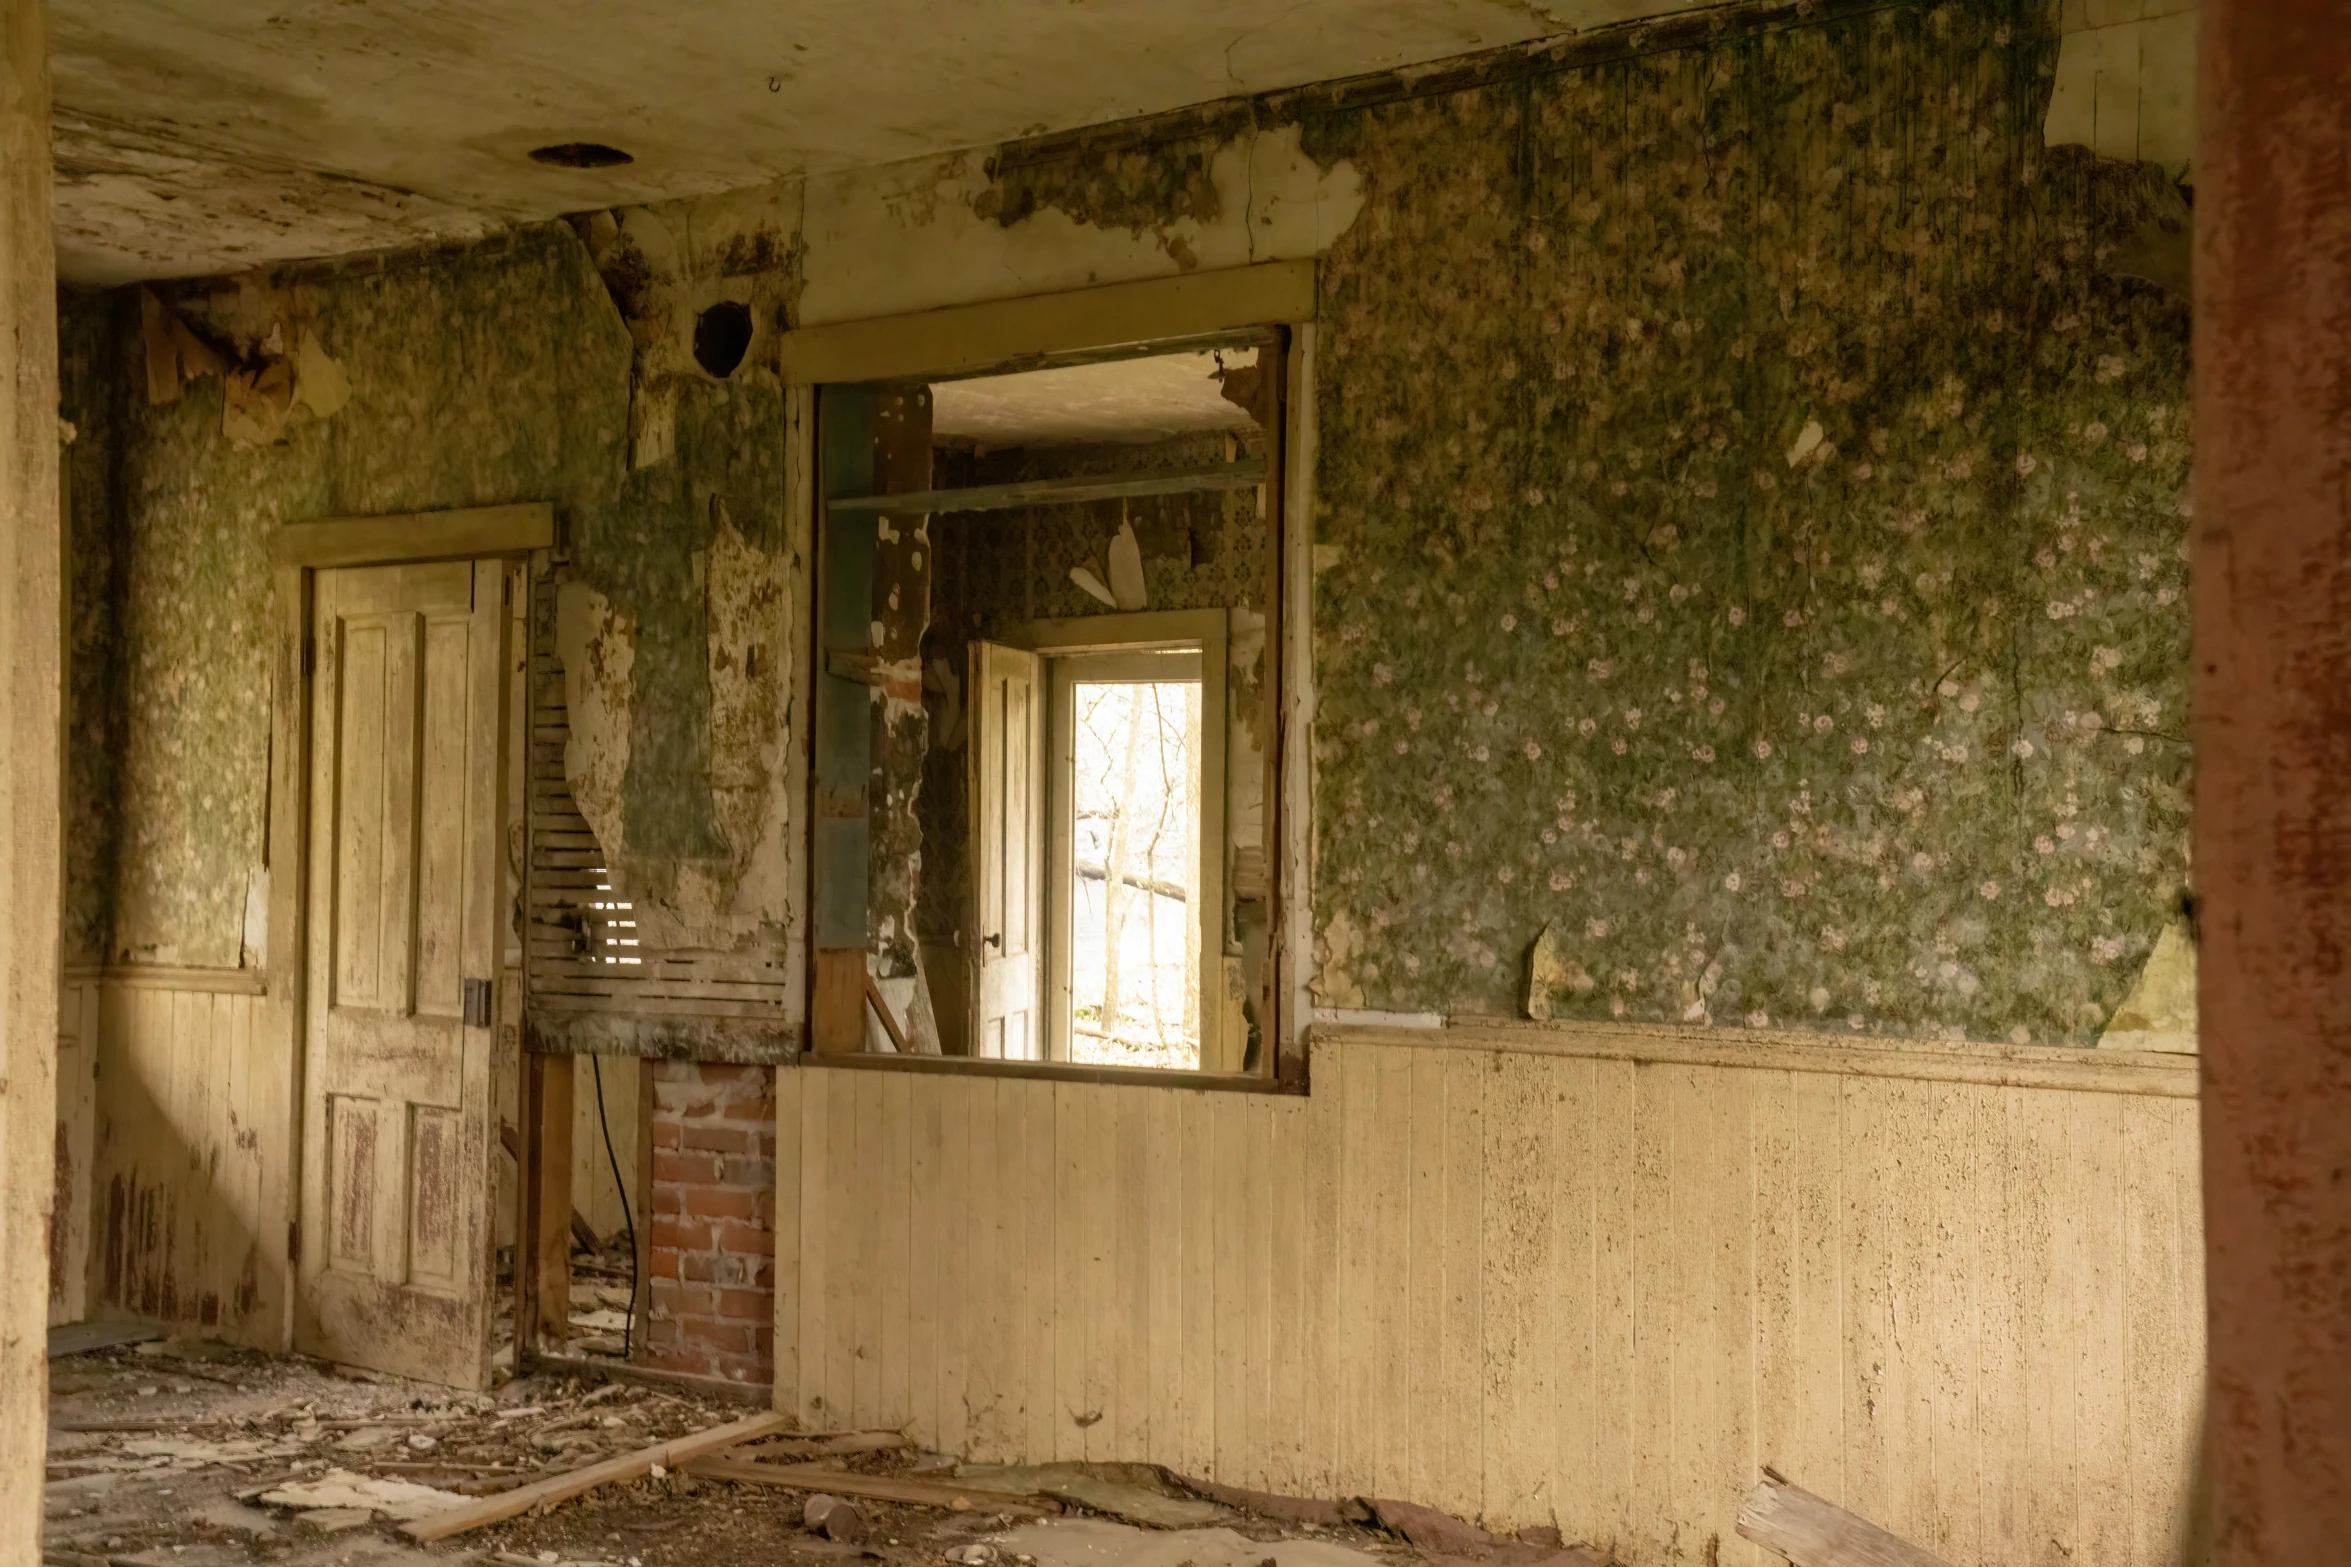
<point>1203,632</point>
<point>299,551</point>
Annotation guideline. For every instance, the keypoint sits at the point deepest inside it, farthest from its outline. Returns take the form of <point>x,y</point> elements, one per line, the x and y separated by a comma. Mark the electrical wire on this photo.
<point>629,1328</point>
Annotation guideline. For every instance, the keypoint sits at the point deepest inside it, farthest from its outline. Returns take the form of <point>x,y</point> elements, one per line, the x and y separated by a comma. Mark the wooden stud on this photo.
<point>542,1253</point>
<point>31,603</point>
<point>1241,474</point>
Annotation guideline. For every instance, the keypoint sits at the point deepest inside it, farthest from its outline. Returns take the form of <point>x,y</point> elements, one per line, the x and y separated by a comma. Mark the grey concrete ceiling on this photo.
<point>200,136</point>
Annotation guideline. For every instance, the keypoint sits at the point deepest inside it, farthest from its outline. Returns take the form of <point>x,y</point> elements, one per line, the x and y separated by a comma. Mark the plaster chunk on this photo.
<point>2160,1011</point>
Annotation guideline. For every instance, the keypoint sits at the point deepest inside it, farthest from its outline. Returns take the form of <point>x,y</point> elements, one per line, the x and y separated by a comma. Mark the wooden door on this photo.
<point>1007,852</point>
<point>407,805</point>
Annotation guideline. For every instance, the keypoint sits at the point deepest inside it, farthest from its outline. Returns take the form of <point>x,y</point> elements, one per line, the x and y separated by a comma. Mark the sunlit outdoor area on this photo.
<point>1134,866</point>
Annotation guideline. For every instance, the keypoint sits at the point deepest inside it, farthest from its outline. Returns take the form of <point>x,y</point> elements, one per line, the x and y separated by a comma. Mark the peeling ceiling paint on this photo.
<point>204,136</point>
<point>1124,401</point>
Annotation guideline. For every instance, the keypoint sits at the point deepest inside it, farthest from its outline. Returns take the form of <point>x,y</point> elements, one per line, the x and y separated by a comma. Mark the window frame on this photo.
<point>1145,317</point>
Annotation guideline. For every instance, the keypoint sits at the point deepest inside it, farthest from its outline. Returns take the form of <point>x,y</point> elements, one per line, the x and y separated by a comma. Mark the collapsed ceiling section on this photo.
<point>204,136</point>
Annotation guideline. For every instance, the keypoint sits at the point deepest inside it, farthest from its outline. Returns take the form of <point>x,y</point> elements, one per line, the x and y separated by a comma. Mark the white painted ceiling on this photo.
<point>200,136</point>
<point>1122,401</point>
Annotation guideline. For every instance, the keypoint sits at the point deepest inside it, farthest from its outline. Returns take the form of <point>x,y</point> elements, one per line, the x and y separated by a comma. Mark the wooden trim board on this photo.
<point>469,534</point>
<point>163,976</point>
<point>1239,474</point>
<point>561,1488</point>
<point>884,1488</point>
<point>962,339</point>
<point>2152,1073</point>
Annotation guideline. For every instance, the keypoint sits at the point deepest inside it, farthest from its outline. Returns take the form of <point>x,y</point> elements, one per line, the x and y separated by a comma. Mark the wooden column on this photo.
<point>2273,761</point>
<point>542,1243</point>
<point>30,624</point>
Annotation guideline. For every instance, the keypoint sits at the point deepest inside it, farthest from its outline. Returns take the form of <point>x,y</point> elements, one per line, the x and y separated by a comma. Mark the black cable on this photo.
<point>629,1328</point>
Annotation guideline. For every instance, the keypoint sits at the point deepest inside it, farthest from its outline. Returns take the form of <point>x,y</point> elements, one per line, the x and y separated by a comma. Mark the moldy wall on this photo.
<point>1750,540</point>
<point>1748,530</point>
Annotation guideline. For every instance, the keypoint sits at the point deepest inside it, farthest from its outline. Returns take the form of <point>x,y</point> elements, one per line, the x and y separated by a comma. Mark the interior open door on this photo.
<point>408,802</point>
<point>1007,852</point>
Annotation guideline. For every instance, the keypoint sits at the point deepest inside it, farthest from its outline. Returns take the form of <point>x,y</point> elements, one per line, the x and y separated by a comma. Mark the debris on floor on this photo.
<point>200,1456</point>
<point>1811,1531</point>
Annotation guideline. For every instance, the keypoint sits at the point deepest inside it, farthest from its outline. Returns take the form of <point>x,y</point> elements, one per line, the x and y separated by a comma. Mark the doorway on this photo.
<point>396,818</point>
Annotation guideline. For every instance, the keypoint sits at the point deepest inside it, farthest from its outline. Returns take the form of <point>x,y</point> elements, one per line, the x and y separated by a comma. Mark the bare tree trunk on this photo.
<point>1114,912</point>
<point>1194,958</point>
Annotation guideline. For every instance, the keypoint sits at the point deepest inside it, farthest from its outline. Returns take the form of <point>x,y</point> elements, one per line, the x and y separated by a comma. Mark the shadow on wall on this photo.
<point>190,1164</point>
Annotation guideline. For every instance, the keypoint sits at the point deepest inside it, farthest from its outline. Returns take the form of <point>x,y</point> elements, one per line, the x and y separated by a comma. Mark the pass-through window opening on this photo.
<point>1046,787</point>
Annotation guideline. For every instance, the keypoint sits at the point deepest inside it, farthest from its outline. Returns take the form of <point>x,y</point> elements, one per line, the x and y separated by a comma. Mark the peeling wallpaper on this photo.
<point>1749,538</point>
<point>1752,543</point>
<point>494,374</point>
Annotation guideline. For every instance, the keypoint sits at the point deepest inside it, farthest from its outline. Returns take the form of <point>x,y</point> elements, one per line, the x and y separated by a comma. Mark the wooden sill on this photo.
<point>1059,1072</point>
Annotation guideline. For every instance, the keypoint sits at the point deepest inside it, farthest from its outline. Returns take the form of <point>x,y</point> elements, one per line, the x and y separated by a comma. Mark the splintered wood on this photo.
<point>629,1466</point>
<point>1811,1532</point>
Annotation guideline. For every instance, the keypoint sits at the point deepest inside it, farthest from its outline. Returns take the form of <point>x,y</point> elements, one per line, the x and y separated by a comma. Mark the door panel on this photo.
<point>409,712</point>
<point>1007,852</point>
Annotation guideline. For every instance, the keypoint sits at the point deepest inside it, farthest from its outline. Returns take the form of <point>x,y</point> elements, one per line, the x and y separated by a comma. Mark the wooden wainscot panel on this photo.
<point>1596,1278</point>
<point>191,1158</point>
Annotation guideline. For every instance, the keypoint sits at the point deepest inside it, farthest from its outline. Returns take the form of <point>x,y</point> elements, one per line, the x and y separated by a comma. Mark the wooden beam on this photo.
<point>31,693</point>
<point>542,1253</point>
<point>963,339</point>
<point>1811,1532</point>
<point>415,536</point>
<point>1237,475</point>
<point>562,1488</point>
<point>887,1488</point>
<point>881,1007</point>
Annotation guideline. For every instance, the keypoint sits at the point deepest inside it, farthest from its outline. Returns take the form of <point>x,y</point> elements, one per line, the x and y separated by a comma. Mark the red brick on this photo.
<point>660,1334</point>
<point>750,1369</point>
<point>682,1234</point>
<point>687,1300</point>
<point>670,1200</point>
<point>702,1268</point>
<point>748,1239</point>
<point>752,1108</point>
<point>717,1139</point>
<point>747,1170</point>
<point>754,1305</point>
<point>710,1202</point>
<point>665,1133</point>
<point>687,1169</point>
<point>663,1264</point>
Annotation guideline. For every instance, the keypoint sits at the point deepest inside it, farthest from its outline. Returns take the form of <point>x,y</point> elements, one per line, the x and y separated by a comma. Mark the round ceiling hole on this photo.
<point>722,335</point>
<point>580,155</point>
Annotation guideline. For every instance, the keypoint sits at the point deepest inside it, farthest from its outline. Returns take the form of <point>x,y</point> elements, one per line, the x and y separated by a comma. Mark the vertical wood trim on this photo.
<point>1293,933</point>
<point>32,586</point>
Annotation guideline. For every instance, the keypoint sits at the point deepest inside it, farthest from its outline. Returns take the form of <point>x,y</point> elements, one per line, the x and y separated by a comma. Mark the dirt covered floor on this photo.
<point>189,1455</point>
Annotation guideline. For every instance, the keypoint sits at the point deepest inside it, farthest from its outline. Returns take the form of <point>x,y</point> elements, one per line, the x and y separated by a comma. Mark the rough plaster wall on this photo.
<point>1751,539</point>
<point>94,709</point>
<point>951,234</point>
<point>696,556</point>
<point>477,378</point>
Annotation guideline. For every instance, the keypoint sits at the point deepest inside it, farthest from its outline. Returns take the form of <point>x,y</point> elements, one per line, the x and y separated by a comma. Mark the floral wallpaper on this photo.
<point>1751,541</point>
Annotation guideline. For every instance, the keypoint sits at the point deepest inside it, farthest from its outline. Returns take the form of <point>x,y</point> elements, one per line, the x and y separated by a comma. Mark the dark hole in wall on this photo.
<point>581,155</point>
<point>722,334</point>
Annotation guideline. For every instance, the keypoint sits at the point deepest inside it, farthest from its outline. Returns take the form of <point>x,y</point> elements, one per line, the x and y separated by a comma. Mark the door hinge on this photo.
<point>477,1003</point>
<point>294,1240</point>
